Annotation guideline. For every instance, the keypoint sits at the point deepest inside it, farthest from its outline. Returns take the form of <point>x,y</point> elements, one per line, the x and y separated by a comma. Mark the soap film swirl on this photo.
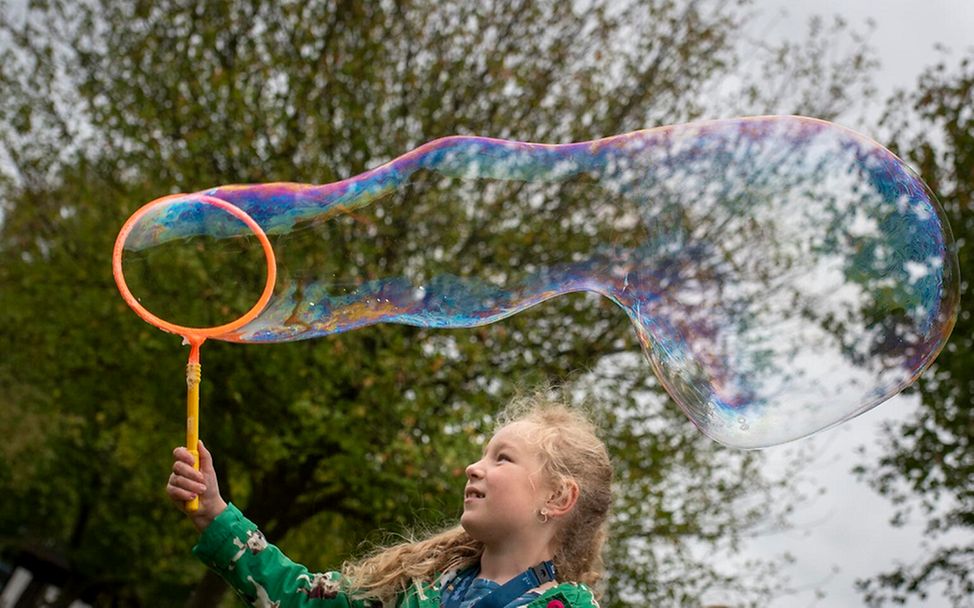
<point>783,273</point>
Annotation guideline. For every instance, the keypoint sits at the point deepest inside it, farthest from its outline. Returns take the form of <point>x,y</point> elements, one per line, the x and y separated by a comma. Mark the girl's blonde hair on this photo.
<point>571,451</point>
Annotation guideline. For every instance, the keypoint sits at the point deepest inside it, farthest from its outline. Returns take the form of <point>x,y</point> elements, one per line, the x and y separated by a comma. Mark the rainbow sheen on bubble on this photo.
<point>783,274</point>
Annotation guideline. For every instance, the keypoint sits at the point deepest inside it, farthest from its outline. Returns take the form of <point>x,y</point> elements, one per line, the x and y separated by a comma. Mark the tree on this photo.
<point>928,460</point>
<point>108,105</point>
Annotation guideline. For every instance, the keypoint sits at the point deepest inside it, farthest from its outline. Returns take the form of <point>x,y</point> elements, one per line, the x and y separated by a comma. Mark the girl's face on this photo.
<point>506,487</point>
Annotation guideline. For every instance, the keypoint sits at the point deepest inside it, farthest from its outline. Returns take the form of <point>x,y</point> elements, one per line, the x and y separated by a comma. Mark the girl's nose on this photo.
<point>474,471</point>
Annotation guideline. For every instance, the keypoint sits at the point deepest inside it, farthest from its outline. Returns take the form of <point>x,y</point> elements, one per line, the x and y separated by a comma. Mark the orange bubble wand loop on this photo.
<point>194,336</point>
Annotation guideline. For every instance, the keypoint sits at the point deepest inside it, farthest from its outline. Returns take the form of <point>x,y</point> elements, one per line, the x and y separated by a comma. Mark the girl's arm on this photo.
<point>234,548</point>
<point>259,572</point>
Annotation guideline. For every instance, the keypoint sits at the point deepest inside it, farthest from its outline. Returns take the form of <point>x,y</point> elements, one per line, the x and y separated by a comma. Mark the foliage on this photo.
<point>107,105</point>
<point>928,460</point>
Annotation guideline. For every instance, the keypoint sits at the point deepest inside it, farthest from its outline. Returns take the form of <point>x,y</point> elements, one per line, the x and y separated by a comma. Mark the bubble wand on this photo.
<point>193,336</point>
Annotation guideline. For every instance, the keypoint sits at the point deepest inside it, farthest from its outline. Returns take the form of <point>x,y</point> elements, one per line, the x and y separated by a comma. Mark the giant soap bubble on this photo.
<point>783,274</point>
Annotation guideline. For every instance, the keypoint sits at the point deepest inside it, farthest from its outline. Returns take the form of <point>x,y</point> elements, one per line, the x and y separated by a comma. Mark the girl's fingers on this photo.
<point>181,454</point>
<point>186,470</point>
<point>184,483</point>
<point>177,490</point>
<point>179,495</point>
<point>206,459</point>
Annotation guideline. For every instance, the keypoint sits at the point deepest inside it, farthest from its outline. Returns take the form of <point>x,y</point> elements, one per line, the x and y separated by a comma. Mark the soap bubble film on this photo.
<point>783,274</point>
<point>202,280</point>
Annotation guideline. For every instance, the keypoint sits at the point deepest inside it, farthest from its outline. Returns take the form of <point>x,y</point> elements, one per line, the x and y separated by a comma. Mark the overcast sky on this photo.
<point>844,534</point>
<point>906,30</point>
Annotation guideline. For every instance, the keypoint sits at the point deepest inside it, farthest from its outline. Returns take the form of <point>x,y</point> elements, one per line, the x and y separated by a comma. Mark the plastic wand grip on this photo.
<point>193,376</point>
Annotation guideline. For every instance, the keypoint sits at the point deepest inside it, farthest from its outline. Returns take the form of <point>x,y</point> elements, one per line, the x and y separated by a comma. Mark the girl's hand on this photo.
<point>186,483</point>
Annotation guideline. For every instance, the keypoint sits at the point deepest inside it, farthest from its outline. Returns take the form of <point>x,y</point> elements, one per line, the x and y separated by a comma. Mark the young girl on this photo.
<point>533,524</point>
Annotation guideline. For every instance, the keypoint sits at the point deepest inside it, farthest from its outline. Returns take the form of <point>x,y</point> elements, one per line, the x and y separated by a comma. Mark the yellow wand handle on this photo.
<point>193,376</point>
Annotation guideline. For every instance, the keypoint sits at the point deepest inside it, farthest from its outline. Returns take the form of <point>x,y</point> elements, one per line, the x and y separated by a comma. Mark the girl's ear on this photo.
<point>563,499</point>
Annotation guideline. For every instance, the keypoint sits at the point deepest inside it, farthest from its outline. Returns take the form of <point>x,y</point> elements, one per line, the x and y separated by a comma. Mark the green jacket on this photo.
<point>264,577</point>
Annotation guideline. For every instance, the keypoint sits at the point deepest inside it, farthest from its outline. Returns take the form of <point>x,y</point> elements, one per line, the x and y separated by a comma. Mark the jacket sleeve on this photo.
<point>260,573</point>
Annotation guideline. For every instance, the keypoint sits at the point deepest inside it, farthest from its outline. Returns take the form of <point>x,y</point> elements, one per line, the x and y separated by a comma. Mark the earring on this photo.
<point>543,516</point>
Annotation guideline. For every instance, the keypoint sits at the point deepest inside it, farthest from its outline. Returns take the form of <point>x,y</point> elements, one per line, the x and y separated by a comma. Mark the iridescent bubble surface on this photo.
<point>200,280</point>
<point>783,274</point>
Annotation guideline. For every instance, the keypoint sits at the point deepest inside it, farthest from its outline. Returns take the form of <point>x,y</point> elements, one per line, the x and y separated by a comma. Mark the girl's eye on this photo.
<point>503,457</point>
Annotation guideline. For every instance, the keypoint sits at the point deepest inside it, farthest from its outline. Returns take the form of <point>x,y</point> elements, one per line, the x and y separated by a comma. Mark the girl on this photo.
<point>533,524</point>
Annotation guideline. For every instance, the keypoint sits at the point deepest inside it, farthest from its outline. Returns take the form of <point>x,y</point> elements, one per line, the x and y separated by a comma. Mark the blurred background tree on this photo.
<point>927,466</point>
<point>107,105</point>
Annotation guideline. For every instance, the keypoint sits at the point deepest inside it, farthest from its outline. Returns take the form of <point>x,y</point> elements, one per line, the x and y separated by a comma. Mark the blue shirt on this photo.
<point>478,588</point>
